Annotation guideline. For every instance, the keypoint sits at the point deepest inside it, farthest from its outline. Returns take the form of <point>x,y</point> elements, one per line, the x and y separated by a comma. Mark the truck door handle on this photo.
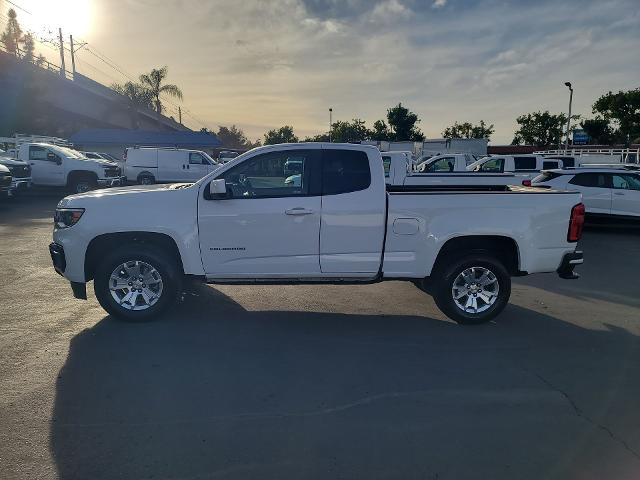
<point>298,211</point>
<point>618,193</point>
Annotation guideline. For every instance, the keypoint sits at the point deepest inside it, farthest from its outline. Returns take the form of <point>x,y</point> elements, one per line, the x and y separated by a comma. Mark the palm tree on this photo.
<point>153,82</point>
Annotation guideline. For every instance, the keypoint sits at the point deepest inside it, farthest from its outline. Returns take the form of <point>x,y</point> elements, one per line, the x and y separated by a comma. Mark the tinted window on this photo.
<point>495,165</point>
<point>524,163</point>
<point>37,153</point>
<point>545,177</point>
<point>344,171</point>
<point>597,180</point>
<point>442,165</point>
<point>274,174</point>
<point>626,182</point>
<point>550,164</point>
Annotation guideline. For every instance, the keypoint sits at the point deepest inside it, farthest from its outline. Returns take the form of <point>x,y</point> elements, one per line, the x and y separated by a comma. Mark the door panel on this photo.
<point>270,227</point>
<point>353,213</point>
<point>595,189</point>
<point>172,166</point>
<point>44,169</point>
<point>626,195</point>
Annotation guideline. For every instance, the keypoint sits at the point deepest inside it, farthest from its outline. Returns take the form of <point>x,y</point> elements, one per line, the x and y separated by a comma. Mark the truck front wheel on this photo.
<point>137,282</point>
<point>472,289</point>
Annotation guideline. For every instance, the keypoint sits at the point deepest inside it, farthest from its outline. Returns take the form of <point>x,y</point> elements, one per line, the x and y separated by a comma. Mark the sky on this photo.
<point>263,64</point>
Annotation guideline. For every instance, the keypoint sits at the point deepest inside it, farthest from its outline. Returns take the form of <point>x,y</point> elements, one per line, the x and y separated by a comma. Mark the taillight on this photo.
<point>526,183</point>
<point>576,223</point>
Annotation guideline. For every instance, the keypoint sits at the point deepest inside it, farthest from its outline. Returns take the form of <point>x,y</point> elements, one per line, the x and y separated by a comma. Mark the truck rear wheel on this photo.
<point>472,289</point>
<point>137,282</point>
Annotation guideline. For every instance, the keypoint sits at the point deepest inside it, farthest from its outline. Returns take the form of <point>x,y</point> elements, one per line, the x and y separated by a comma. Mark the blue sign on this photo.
<point>580,137</point>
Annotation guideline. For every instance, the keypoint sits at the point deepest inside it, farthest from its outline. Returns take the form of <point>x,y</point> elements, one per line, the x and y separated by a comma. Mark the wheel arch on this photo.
<point>73,175</point>
<point>101,244</point>
<point>504,248</point>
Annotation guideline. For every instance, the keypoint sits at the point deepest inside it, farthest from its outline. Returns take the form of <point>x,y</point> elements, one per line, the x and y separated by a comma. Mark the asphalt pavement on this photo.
<point>277,382</point>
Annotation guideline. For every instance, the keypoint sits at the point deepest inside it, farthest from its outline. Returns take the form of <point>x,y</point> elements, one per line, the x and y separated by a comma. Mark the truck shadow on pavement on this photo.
<point>213,390</point>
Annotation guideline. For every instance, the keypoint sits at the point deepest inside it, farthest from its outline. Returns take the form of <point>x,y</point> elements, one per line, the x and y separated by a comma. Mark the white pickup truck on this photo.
<point>452,162</point>
<point>340,224</point>
<point>398,172</point>
<point>524,167</point>
<point>58,166</point>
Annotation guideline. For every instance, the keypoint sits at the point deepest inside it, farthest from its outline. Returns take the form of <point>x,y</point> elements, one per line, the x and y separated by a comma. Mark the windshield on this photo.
<point>68,152</point>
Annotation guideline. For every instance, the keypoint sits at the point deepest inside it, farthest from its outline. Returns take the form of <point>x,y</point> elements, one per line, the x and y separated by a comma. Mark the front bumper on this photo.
<point>60,265</point>
<point>112,181</point>
<point>20,184</point>
<point>569,262</point>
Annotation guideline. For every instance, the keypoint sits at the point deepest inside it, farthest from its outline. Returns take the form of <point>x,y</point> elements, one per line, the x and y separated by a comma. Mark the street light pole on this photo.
<point>330,122</point>
<point>566,140</point>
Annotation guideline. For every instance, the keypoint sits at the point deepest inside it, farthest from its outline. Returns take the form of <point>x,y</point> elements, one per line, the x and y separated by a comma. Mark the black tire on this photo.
<point>442,283</point>
<point>165,264</point>
<point>83,183</point>
<point>146,179</point>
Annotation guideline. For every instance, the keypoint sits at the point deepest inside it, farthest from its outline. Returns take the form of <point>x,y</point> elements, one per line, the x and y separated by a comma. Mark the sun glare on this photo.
<point>73,16</point>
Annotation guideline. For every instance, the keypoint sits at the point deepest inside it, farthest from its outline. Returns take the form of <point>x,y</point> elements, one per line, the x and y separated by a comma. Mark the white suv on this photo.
<point>605,191</point>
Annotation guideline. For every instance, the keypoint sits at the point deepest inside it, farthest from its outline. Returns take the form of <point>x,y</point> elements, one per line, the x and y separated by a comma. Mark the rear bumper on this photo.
<point>569,262</point>
<point>112,181</point>
<point>60,265</point>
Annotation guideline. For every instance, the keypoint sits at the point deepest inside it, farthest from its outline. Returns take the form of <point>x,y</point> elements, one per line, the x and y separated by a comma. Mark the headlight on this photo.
<point>67,217</point>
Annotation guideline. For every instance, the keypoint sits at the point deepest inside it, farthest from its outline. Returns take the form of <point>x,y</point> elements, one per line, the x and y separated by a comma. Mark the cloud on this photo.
<point>263,64</point>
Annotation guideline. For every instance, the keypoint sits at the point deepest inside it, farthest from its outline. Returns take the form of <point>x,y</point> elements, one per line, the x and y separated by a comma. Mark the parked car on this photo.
<point>244,224</point>
<point>453,162</point>
<point>397,170</point>
<point>523,166</point>
<point>20,173</point>
<point>605,191</point>
<point>58,166</point>
<point>5,181</point>
<point>226,156</point>
<point>156,165</point>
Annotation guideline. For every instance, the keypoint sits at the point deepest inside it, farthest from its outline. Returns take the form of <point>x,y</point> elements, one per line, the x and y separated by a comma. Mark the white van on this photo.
<point>150,165</point>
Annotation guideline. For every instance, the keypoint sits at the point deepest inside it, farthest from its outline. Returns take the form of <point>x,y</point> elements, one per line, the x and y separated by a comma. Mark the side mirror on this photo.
<point>218,189</point>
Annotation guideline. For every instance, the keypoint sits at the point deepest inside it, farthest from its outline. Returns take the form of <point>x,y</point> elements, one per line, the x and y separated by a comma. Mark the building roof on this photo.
<point>115,136</point>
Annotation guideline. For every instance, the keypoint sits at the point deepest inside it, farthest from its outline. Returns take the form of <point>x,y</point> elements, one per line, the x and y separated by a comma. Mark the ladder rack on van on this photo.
<point>20,138</point>
<point>625,155</point>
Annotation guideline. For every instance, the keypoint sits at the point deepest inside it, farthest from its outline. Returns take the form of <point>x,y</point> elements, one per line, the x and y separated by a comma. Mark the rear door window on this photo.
<point>442,165</point>
<point>495,165</point>
<point>524,163</point>
<point>344,171</point>
<point>594,180</point>
<point>386,162</point>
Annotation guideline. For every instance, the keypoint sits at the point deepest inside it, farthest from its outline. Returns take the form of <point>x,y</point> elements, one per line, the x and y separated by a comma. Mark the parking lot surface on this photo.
<point>321,382</point>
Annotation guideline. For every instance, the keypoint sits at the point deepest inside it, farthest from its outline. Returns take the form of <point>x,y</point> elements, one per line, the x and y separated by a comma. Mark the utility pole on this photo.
<point>73,54</point>
<point>330,122</point>
<point>62,67</point>
<point>179,115</point>
<point>566,140</point>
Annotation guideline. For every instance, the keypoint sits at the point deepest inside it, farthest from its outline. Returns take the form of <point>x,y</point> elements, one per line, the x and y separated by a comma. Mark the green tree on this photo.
<point>321,137</point>
<point>28,47</point>
<point>280,135</point>
<point>138,94</point>
<point>402,123</point>
<point>345,132</point>
<point>622,111</point>
<point>541,129</point>
<point>468,130</point>
<point>599,131</point>
<point>380,131</point>
<point>234,137</point>
<point>12,34</point>
<point>153,82</point>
